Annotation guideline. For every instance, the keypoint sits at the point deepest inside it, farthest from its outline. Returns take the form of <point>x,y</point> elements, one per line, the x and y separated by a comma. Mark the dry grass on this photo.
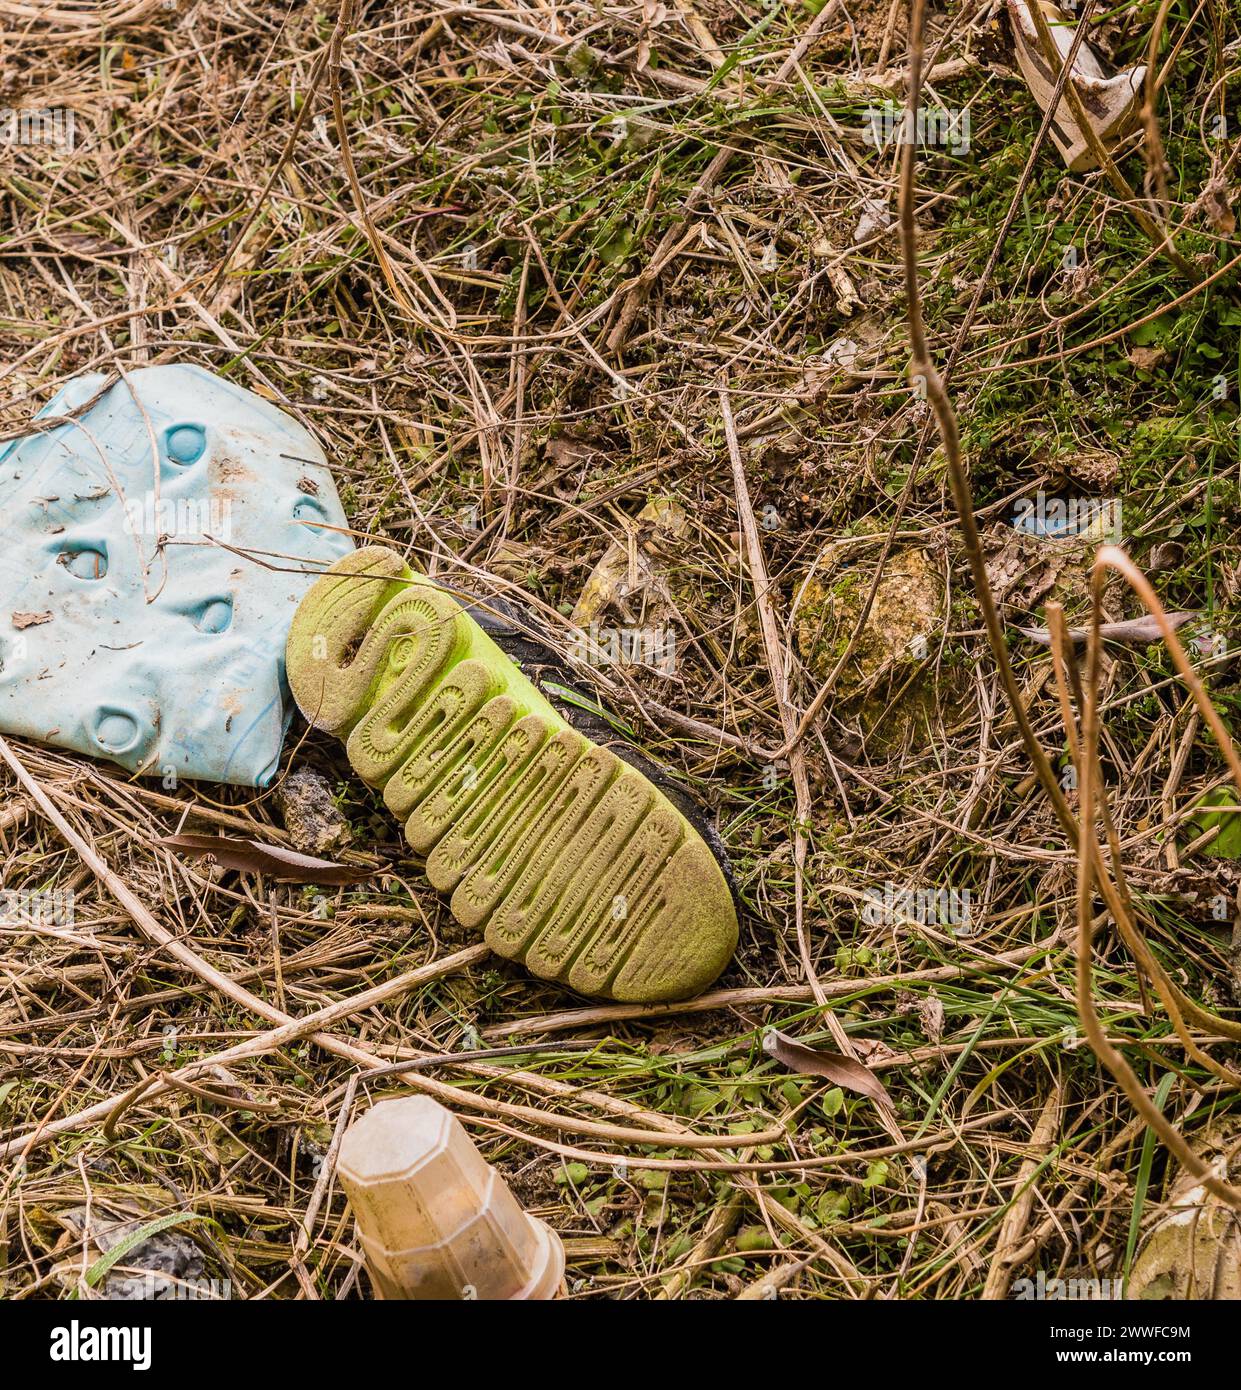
<point>568,228</point>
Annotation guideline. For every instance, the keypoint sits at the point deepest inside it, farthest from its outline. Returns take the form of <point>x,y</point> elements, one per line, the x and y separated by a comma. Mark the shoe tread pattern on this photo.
<point>564,856</point>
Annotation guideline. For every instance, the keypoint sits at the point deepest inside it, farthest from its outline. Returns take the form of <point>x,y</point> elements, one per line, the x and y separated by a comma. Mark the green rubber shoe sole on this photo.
<point>566,858</point>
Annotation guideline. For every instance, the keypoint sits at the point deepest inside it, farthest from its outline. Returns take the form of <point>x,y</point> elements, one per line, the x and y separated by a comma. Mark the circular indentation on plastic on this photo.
<point>185,444</point>
<point>115,730</point>
<point>306,509</point>
<point>86,563</point>
<point>216,615</point>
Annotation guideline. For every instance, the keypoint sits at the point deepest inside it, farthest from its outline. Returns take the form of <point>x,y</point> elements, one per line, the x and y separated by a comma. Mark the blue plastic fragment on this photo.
<point>152,552</point>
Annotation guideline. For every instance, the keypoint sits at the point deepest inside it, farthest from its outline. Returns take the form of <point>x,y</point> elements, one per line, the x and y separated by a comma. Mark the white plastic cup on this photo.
<point>435,1220</point>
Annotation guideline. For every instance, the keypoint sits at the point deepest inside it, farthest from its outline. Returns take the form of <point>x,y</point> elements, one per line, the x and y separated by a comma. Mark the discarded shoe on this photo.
<point>565,855</point>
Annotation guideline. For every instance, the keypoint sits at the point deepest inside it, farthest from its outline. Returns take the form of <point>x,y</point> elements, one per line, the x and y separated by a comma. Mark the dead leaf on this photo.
<point>629,586</point>
<point>1165,556</point>
<point>1024,569</point>
<point>1144,358</point>
<point>1136,631</point>
<point>872,1051</point>
<point>22,620</point>
<point>876,217</point>
<point>570,452</point>
<point>1217,206</point>
<point>929,1009</point>
<point>931,1016</point>
<point>1096,468</point>
<point>832,1066</point>
<point>254,857</point>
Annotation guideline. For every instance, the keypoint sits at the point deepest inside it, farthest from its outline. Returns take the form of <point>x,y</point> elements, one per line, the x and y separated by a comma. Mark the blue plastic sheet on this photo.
<point>152,552</point>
